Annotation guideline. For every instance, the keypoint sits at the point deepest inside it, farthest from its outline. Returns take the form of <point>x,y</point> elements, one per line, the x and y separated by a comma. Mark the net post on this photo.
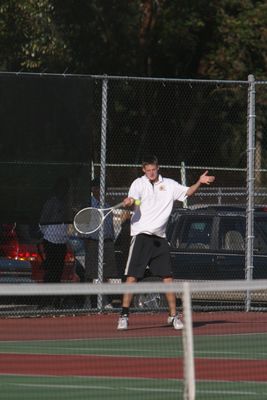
<point>188,347</point>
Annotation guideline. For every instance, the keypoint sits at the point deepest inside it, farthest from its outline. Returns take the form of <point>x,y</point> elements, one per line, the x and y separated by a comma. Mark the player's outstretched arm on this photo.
<point>204,179</point>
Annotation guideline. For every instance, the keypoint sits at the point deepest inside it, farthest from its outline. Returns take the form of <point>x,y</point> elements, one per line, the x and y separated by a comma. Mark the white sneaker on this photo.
<point>175,322</point>
<point>122,323</point>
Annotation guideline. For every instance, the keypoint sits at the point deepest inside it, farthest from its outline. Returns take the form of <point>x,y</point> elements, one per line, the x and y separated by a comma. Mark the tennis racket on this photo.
<point>90,219</point>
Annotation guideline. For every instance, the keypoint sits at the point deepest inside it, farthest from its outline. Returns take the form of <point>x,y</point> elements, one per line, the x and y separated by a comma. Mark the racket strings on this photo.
<point>88,220</point>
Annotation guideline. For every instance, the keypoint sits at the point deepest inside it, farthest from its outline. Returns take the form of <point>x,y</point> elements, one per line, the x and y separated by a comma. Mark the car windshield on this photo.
<point>197,233</point>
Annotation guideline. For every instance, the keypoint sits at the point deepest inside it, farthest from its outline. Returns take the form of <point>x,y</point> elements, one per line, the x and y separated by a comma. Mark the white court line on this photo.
<point>136,389</point>
<point>125,353</point>
<point>100,387</point>
<point>204,352</point>
<point>233,393</point>
<point>132,337</point>
<point>120,339</point>
<point>198,353</point>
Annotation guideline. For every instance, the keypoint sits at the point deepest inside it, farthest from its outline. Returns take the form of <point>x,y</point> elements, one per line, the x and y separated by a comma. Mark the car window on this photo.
<point>260,243</point>
<point>232,234</point>
<point>196,234</point>
<point>260,235</point>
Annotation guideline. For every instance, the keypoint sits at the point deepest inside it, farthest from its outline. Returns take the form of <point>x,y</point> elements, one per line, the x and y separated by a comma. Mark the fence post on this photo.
<point>102,182</point>
<point>183,179</point>
<point>250,185</point>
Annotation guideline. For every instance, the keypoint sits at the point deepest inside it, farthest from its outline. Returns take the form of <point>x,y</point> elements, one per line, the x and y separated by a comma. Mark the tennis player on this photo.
<point>155,196</point>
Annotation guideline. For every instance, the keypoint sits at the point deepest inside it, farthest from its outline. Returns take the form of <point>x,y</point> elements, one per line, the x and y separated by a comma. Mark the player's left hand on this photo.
<point>206,179</point>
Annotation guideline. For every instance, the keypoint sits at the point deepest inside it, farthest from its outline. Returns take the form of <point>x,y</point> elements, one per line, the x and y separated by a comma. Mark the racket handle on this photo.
<point>119,205</point>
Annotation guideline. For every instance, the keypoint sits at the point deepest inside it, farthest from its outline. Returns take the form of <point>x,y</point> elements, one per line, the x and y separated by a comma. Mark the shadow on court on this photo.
<point>199,324</point>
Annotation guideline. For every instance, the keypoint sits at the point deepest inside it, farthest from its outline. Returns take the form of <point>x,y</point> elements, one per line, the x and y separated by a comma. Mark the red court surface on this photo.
<point>141,325</point>
<point>131,367</point>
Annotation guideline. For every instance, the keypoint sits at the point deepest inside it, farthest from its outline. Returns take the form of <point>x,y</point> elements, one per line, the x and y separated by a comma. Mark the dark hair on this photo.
<point>149,159</point>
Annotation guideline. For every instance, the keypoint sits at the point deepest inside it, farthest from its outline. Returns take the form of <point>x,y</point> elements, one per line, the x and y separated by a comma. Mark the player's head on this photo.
<point>149,159</point>
<point>151,167</point>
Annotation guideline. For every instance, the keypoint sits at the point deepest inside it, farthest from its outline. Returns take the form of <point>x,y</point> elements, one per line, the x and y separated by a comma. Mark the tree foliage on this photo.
<point>220,39</point>
<point>29,36</point>
<point>239,44</point>
<point>185,38</point>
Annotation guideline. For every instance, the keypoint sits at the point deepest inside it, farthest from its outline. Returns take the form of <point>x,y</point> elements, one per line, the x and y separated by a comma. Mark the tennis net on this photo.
<point>80,353</point>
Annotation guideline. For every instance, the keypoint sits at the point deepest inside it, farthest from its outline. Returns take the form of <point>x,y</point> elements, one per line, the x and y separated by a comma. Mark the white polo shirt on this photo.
<point>157,199</point>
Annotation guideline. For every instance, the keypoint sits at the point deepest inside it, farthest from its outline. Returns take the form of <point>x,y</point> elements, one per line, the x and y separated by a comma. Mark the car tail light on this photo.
<point>69,257</point>
<point>16,252</point>
<point>27,255</point>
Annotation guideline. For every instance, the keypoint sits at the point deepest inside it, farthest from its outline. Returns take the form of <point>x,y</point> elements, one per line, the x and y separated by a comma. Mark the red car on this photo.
<point>20,255</point>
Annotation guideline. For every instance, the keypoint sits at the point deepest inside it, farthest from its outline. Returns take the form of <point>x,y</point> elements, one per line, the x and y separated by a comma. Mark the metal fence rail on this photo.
<point>83,126</point>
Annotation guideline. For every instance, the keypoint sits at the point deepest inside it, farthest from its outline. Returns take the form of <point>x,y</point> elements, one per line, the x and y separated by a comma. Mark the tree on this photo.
<point>222,39</point>
<point>239,44</point>
<point>29,38</point>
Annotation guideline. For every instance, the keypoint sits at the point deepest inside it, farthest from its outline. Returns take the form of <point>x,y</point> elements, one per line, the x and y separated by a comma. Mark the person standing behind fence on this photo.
<point>91,242</point>
<point>149,246</point>
<point>54,227</point>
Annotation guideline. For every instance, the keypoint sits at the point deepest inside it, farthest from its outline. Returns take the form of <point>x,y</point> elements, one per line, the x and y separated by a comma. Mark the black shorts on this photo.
<point>148,251</point>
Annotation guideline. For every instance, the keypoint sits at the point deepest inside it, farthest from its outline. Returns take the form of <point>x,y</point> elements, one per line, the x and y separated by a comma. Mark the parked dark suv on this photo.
<point>209,243</point>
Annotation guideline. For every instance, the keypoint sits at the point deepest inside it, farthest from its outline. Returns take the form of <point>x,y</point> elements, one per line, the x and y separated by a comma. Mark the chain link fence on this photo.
<point>79,128</point>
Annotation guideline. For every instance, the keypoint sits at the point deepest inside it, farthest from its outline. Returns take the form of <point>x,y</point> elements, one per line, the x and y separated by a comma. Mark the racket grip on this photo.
<point>119,205</point>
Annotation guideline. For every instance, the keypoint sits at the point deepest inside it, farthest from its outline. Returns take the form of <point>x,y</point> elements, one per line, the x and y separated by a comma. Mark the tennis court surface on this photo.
<point>85,357</point>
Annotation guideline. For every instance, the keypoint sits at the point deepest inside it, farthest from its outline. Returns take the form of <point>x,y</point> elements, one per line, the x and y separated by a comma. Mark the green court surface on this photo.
<point>62,388</point>
<point>242,346</point>
<point>117,353</point>
<point>18,388</point>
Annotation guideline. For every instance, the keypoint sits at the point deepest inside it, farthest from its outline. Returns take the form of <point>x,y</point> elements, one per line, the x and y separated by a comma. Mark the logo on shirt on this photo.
<point>162,188</point>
